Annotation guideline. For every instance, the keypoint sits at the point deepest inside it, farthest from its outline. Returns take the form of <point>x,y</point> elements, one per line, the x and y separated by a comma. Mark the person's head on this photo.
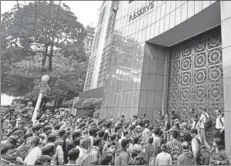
<point>185,145</point>
<point>107,159</point>
<point>21,124</point>
<point>163,147</point>
<point>134,117</point>
<point>136,140</point>
<point>140,160</point>
<point>62,133</point>
<point>113,137</point>
<point>73,154</point>
<point>70,146</point>
<point>157,131</point>
<point>76,135</point>
<point>125,143</point>
<point>85,143</point>
<point>8,153</point>
<point>122,116</point>
<point>37,129</point>
<point>93,132</point>
<point>150,140</point>
<point>47,129</point>
<point>34,141</point>
<point>218,112</point>
<point>46,160</point>
<point>194,132</point>
<point>101,134</point>
<point>219,144</point>
<point>51,137</point>
<point>111,147</point>
<point>175,134</point>
<point>96,141</point>
<point>39,161</point>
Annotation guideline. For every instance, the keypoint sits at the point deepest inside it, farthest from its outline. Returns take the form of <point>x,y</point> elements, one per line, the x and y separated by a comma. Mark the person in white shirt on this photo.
<point>220,122</point>
<point>34,153</point>
<point>201,123</point>
<point>163,158</point>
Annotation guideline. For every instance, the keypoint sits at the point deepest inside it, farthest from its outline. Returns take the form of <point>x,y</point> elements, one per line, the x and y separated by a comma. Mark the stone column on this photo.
<point>226,51</point>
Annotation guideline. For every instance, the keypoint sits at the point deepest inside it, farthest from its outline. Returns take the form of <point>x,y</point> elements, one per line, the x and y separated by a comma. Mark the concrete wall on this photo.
<point>226,50</point>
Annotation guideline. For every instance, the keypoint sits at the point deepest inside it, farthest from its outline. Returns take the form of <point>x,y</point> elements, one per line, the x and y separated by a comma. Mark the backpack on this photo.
<point>203,155</point>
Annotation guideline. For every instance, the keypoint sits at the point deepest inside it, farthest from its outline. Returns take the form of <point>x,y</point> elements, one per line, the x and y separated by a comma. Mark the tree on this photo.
<point>38,33</point>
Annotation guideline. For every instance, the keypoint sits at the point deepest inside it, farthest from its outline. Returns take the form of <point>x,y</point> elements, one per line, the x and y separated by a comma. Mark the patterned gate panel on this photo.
<point>196,74</point>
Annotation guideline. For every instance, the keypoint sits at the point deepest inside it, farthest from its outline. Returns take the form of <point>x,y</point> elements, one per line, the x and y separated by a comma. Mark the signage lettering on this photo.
<point>141,11</point>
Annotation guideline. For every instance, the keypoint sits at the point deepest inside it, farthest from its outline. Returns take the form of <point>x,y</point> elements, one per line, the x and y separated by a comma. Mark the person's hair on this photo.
<point>48,150</point>
<point>92,132</point>
<point>150,140</point>
<point>111,144</point>
<point>76,135</point>
<point>106,159</point>
<point>204,109</point>
<point>38,161</point>
<point>135,116</point>
<point>101,133</point>
<point>35,141</point>
<point>51,139</point>
<point>125,142</point>
<point>77,142</point>
<point>134,153</point>
<point>122,116</point>
<point>219,111</point>
<point>163,147</point>
<point>62,133</point>
<point>175,134</point>
<point>45,158</point>
<point>96,141</point>
<point>105,137</point>
<point>73,154</point>
<point>136,140</point>
<point>140,160</point>
<point>70,146</point>
<point>157,131</point>
<point>113,137</point>
<point>185,145</point>
<point>194,131</point>
<point>220,144</point>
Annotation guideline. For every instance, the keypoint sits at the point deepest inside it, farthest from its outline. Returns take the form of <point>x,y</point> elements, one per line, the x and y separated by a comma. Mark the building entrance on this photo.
<point>196,75</point>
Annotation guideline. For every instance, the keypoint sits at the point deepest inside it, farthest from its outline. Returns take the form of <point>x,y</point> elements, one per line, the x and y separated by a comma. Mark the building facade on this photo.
<point>88,41</point>
<point>168,56</point>
<point>103,34</point>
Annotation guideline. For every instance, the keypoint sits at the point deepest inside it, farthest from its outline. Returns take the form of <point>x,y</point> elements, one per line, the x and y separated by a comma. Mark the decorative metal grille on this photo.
<point>196,75</point>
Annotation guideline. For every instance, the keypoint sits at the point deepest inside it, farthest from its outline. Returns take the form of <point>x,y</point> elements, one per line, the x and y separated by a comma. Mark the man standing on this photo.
<point>201,123</point>
<point>220,122</point>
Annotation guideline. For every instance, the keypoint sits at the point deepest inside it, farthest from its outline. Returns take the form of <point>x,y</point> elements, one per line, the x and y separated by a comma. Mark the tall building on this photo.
<point>103,29</point>
<point>88,41</point>
<point>164,55</point>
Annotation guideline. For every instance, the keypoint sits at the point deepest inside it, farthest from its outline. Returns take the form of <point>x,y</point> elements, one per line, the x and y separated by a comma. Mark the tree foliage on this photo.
<point>42,38</point>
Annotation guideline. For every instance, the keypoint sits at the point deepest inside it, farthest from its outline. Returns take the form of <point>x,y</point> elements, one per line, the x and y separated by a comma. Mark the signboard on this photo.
<point>141,11</point>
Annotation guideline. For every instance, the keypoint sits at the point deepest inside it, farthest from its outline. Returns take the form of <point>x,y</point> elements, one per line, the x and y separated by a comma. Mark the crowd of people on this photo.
<point>59,138</point>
